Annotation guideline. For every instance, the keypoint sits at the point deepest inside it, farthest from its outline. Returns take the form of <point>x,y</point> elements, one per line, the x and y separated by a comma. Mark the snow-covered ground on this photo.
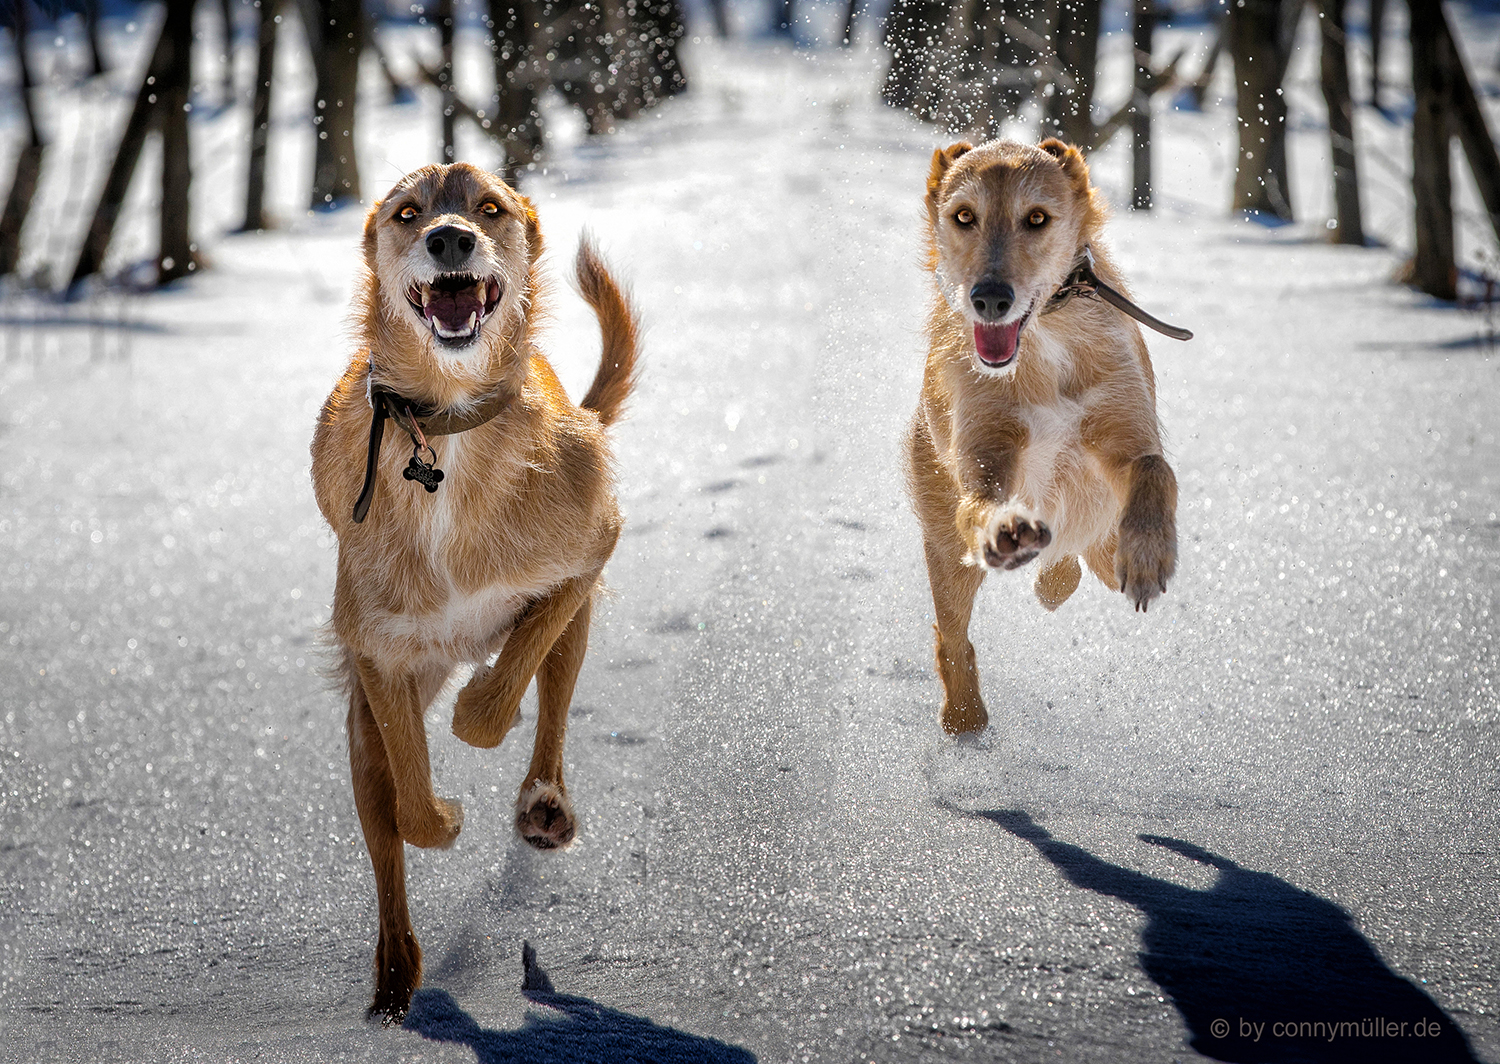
<point>779,851</point>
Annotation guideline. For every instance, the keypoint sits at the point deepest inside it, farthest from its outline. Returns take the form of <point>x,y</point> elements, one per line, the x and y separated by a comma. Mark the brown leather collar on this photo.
<point>1084,282</point>
<point>419,422</point>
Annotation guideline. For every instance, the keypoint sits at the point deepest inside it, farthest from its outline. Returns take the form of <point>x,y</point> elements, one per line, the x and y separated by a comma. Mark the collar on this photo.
<point>1082,281</point>
<point>418,421</point>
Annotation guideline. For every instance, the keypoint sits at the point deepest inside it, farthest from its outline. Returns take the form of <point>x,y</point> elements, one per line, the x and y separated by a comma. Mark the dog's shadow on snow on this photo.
<point>574,1031</point>
<point>1256,950</point>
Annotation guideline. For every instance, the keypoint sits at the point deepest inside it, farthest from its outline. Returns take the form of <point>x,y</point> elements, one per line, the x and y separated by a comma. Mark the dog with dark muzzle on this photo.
<point>476,528</point>
<point>1036,437</point>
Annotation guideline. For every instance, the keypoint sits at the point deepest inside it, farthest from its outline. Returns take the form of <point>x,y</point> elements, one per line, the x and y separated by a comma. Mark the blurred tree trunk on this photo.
<point>226,12</point>
<point>1433,270</point>
<point>444,18</point>
<point>336,33</point>
<point>175,256</point>
<point>1335,78</point>
<point>912,29</point>
<point>1255,34</point>
<point>848,38</point>
<point>512,24</point>
<point>101,228</point>
<point>1377,37</point>
<point>1069,108</point>
<point>1467,120</point>
<point>1140,118</point>
<point>721,17</point>
<point>91,29</point>
<point>782,17</point>
<point>662,23</point>
<point>29,163</point>
<point>260,121</point>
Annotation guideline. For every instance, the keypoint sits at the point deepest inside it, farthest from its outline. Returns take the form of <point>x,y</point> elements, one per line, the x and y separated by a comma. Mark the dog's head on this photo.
<point>1006,224</point>
<point>451,250</point>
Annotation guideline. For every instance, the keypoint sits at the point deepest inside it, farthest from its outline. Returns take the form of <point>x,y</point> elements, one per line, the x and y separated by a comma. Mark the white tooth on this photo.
<point>426,295</point>
<point>482,289</point>
<point>472,319</point>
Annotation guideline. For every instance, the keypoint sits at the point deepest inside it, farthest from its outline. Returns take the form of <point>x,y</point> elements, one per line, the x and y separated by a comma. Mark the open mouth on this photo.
<point>997,345</point>
<point>455,305</point>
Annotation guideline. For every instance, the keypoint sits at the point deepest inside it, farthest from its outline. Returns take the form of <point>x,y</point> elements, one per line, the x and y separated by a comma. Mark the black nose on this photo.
<point>450,245</point>
<point>992,299</point>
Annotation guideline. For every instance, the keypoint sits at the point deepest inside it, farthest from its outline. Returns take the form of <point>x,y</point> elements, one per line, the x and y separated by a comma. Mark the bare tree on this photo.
<point>1446,106</point>
<point>1140,119</point>
<point>336,33</point>
<point>1255,32</point>
<point>29,162</point>
<point>165,84</point>
<point>444,17</point>
<point>176,253</point>
<point>1068,109</point>
<point>1348,225</point>
<point>260,119</point>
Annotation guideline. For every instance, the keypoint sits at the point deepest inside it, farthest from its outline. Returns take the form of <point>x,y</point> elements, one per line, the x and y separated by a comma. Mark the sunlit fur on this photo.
<point>1056,456</point>
<point>504,557</point>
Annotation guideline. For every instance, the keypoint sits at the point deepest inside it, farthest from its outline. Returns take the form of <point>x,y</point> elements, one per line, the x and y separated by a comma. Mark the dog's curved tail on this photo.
<point>617,322</point>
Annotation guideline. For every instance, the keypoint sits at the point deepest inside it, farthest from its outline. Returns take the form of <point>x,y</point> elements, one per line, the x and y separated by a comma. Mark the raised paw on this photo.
<point>1144,562</point>
<point>1015,537</point>
<point>483,715</point>
<point>438,829</point>
<point>544,816</point>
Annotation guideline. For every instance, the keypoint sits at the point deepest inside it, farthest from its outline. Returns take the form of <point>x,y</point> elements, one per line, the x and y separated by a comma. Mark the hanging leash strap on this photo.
<point>1084,282</point>
<point>418,422</point>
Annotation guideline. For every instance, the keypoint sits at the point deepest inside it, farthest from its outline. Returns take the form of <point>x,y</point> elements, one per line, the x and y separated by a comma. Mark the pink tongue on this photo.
<point>452,309</point>
<point>996,344</point>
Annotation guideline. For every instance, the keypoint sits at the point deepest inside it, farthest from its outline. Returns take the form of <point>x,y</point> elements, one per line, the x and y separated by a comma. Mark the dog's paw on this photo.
<point>477,719</point>
<point>438,829</point>
<point>1013,537</point>
<point>1144,562</point>
<point>544,816</point>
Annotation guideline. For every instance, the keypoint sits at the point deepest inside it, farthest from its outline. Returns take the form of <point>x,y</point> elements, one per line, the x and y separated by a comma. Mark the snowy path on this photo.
<point>778,849</point>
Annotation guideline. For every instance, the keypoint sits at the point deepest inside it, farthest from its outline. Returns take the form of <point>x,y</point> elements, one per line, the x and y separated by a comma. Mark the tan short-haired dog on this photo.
<point>490,539</point>
<point>1036,436</point>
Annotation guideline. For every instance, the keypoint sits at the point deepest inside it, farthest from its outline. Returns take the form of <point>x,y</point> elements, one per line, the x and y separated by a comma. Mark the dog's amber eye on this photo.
<point>964,216</point>
<point>1038,219</point>
<point>489,207</point>
<point>407,213</point>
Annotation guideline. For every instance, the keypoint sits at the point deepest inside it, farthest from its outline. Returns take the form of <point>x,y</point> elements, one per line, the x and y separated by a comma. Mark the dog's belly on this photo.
<point>468,627</point>
<point>1062,482</point>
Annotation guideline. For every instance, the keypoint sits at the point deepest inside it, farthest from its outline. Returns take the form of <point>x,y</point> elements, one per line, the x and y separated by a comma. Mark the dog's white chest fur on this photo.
<point>470,623</point>
<point>1060,480</point>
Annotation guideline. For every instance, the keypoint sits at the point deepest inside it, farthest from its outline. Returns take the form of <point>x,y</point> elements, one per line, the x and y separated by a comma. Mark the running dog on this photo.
<point>479,526</point>
<point>1036,438</point>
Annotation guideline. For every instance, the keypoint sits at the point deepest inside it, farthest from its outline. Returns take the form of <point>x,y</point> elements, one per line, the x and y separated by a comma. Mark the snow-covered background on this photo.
<point>779,851</point>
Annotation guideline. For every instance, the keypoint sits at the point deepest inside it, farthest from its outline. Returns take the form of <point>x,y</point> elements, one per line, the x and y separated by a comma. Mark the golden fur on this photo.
<point>504,557</point>
<point>1055,455</point>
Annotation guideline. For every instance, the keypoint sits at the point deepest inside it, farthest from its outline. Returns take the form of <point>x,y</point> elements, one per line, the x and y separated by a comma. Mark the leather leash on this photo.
<point>1084,282</point>
<point>418,422</point>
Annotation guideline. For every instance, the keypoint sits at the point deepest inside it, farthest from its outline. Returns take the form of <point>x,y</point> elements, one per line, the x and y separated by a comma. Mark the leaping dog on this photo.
<point>1036,437</point>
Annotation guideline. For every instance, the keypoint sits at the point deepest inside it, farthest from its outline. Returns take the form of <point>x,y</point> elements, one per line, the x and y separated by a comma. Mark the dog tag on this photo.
<point>423,473</point>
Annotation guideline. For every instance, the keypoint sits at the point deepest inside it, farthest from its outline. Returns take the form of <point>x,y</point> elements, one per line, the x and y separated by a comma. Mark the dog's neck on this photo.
<point>413,367</point>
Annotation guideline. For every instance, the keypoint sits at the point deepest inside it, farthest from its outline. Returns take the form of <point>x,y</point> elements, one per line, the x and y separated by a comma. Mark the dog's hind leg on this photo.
<point>544,814</point>
<point>398,958</point>
<point>488,704</point>
<point>395,702</point>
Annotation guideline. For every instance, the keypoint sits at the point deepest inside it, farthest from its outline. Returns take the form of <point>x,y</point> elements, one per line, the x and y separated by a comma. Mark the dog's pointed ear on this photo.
<point>533,229</point>
<point>1070,159</point>
<point>942,160</point>
<point>370,231</point>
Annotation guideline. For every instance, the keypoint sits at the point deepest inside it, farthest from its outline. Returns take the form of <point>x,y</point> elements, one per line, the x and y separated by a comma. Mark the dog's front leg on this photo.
<point>998,529</point>
<point>395,703</point>
<point>1146,548</point>
<point>488,704</point>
